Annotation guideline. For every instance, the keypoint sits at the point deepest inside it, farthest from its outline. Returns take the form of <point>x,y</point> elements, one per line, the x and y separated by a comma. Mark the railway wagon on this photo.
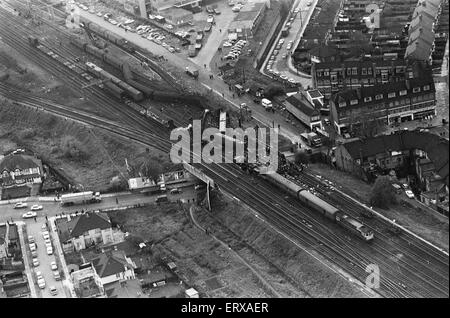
<point>321,206</point>
<point>318,204</point>
<point>79,43</point>
<point>114,90</point>
<point>135,94</point>
<point>94,51</point>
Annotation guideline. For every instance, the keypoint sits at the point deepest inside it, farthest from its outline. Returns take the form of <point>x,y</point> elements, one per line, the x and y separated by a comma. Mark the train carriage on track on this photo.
<point>319,205</point>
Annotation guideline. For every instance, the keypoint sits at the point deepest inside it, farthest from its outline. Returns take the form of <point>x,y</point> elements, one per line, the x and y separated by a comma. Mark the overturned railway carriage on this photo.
<point>135,94</point>
<point>321,206</point>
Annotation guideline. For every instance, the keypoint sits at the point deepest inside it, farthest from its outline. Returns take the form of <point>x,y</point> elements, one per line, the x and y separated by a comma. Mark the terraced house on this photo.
<point>422,30</point>
<point>331,77</point>
<point>407,100</point>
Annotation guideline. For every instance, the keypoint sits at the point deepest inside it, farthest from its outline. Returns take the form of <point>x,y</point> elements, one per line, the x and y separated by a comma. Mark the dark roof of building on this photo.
<point>16,161</point>
<point>81,224</point>
<point>324,51</point>
<point>435,147</point>
<point>359,64</point>
<point>382,89</point>
<point>426,6</point>
<point>110,263</point>
<point>2,233</point>
<point>420,49</point>
<point>315,93</point>
<point>303,104</point>
<point>422,34</point>
<point>421,20</point>
<point>13,232</point>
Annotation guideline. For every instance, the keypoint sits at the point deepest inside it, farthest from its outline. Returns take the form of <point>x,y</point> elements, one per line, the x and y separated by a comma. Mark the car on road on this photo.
<point>171,50</point>
<point>99,14</point>
<point>405,186</point>
<point>409,194</point>
<point>289,46</point>
<point>20,205</point>
<point>226,44</point>
<point>41,283</point>
<point>54,266</point>
<point>281,41</point>
<point>327,121</point>
<point>278,46</point>
<point>36,207</point>
<point>151,17</point>
<point>296,10</point>
<point>53,291</point>
<point>113,22</point>
<point>292,81</point>
<point>35,262</point>
<point>49,250</point>
<point>29,214</point>
<point>92,11</point>
<point>175,191</point>
<point>169,26</point>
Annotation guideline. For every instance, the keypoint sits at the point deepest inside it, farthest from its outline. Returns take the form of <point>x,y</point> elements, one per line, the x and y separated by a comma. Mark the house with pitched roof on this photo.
<point>84,230</point>
<point>114,266</point>
<point>3,240</point>
<point>17,168</point>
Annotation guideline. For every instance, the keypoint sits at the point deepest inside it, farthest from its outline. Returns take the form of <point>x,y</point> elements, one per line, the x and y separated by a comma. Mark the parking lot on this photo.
<point>45,260</point>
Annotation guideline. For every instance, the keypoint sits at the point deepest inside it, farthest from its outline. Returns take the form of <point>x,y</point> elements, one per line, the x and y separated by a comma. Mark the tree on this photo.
<point>382,194</point>
<point>150,168</point>
<point>274,90</point>
<point>301,158</point>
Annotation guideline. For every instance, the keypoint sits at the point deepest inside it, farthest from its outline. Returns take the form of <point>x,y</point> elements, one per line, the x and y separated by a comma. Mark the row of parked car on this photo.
<point>276,74</point>
<point>48,245</point>
<point>150,34</point>
<point>236,49</point>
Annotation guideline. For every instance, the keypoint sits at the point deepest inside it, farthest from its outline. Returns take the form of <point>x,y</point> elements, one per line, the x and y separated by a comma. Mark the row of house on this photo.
<point>427,151</point>
<point>80,232</point>
<point>406,100</point>
<point>421,30</point>
<point>331,77</point>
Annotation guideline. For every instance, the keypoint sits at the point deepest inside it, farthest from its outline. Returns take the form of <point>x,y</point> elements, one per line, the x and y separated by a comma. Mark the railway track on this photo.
<point>286,214</point>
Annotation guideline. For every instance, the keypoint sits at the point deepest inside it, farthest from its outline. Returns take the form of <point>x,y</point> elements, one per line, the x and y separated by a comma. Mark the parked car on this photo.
<point>309,3</point>
<point>36,207</point>
<point>216,11</point>
<point>45,235</point>
<point>99,14</point>
<point>53,266</point>
<point>210,19</point>
<point>175,191</point>
<point>31,239</point>
<point>409,194</point>
<point>35,262</point>
<point>20,205</point>
<point>49,250</point>
<point>53,291</point>
<point>34,254</point>
<point>32,246</point>
<point>56,275</point>
<point>209,9</point>
<point>29,214</point>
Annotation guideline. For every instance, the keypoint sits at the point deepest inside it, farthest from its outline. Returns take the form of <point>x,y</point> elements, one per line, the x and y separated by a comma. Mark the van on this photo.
<point>162,198</point>
<point>266,103</point>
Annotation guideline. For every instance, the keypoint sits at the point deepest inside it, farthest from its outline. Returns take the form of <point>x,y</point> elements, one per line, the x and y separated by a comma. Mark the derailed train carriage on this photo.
<point>321,206</point>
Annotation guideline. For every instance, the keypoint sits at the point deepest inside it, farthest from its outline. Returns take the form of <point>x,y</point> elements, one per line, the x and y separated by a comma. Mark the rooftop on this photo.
<point>81,224</point>
<point>111,263</point>
<point>17,161</point>
<point>300,102</point>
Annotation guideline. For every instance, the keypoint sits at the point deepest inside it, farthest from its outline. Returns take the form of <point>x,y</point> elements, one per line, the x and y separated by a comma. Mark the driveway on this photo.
<point>34,229</point>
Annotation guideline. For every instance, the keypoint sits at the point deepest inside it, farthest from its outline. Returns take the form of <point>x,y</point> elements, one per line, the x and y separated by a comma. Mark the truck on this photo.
<point>311,139</point>
<point>193,73</point>
<point>80,197</point>
<point>192,50</point>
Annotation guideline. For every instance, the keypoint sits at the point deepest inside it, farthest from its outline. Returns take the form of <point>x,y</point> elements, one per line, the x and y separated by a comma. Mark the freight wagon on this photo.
<point>321,206</point>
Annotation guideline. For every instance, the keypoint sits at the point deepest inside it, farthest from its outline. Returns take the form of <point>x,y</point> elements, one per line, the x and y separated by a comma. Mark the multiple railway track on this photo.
<point>401,276</point>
